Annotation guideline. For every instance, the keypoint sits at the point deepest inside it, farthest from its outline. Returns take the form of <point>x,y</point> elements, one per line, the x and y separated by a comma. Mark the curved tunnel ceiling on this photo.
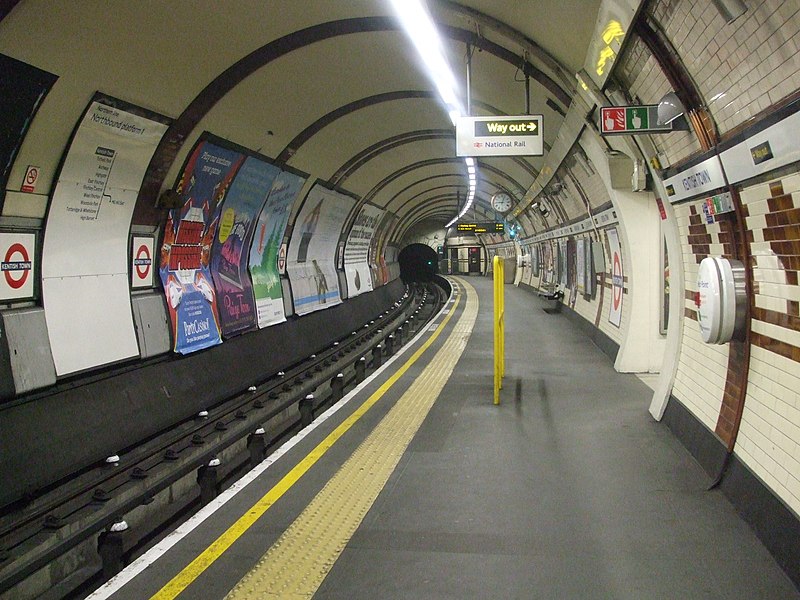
<point>333,90</point>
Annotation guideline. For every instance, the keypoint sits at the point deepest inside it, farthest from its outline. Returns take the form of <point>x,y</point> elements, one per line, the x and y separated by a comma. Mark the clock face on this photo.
<point>501,202</point>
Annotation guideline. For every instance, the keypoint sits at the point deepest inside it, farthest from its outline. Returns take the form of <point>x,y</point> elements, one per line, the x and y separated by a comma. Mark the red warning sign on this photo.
<point>31,177</point>
<point>661,210</point>
<point>16,265</point>
<point>612,119</point>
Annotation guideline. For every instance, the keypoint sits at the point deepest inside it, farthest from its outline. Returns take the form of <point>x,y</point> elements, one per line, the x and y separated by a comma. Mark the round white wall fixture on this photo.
<point>721,299</point>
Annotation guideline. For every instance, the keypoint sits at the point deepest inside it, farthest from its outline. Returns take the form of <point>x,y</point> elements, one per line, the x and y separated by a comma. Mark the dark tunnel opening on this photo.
<point>418,262</point>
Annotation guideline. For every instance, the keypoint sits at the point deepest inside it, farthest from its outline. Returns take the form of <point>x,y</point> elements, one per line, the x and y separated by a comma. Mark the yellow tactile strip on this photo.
<point>296,565</point>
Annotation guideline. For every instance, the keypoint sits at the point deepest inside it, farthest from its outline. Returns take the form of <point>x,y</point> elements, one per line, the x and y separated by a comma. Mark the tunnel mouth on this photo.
<point>418,262</point>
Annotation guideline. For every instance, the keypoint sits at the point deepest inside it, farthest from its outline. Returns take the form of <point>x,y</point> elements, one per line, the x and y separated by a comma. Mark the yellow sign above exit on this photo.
<point>501,128</point>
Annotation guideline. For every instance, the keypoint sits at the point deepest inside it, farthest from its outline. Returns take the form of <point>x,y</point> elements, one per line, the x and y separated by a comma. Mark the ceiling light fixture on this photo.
<point>669,108</point>
<point>421,30</point>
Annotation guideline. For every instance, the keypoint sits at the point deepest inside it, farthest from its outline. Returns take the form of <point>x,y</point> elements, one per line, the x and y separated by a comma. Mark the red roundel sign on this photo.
<point>142,262</point>
<point>616,278</point>
<point>16,266</point>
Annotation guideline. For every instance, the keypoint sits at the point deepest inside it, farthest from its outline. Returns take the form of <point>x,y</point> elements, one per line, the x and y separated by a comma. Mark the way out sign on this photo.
<point>631,120</point>
<point>17,256</point>
<point>500,136</point>
<point>142,262</point>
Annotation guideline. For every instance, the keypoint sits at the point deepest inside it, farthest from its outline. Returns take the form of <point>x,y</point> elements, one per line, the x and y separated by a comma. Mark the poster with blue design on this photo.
<point>229,254</point>
<point>269,232</point>
<point>186,250</point>
<point>312,250</point>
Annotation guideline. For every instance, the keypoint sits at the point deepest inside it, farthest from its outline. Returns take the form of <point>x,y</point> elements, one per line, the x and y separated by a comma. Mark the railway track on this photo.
<point>141,492</point>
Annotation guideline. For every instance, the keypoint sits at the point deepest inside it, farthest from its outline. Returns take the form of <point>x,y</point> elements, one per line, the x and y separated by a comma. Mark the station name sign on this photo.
<point>500,136</point>
<point>490,227</point>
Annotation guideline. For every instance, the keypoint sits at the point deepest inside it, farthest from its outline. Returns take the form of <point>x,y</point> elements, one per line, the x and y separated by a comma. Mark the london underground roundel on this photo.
<point>16,265</point>
<point>142,262</point>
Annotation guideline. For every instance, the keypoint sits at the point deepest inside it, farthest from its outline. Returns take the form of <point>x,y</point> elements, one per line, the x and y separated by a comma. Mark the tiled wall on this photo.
<point>769,436</point>
<point>740,68</point>
<point>642,77</point>
<point>702,369</point>
<point>575,183</point>
<point>594,309</point>
<point>581,182</point>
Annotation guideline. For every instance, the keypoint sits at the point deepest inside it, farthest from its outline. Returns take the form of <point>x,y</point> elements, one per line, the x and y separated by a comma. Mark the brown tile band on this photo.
<point>778,347</point>
<point>773,317</point>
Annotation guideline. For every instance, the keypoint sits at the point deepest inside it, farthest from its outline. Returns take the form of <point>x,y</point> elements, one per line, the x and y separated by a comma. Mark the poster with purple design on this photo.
<point>186,250</point>
<point>230,252</point>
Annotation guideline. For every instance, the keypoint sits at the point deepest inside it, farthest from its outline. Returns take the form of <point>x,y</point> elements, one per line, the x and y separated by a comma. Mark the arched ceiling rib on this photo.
<point>445,210</point>
<point>327,88</point>
<point>330,117</point>
<point>340,112</point>
<point>382,146</point>
<point>196,110</point>
<point>481,166</point>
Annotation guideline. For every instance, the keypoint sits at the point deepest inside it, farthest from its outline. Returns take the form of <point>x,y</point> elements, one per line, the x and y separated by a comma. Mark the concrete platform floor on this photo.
<point>569,489</point>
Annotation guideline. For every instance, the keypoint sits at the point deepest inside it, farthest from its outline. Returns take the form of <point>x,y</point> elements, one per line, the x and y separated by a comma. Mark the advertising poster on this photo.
<point>617,278</point>
<point>562,264</point>
<point>378,258</point>
<point>548,264</point>
<point>580,257</point>
<point>85,278</point>
<point>17,265</point>
<point>356,250</point>
<point>266,246</point>
<point>312,250</point>
<point>186,251</point>
<point>230,252</point>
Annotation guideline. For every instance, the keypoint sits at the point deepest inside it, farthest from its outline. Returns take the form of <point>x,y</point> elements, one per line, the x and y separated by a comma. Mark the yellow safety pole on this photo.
<point>499,328</point>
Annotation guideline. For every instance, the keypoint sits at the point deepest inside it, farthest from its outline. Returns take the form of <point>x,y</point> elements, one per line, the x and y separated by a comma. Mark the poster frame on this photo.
<point>131,258</point>
<point>283,248</point>
<point>139,111</point>
<point>340,240</point>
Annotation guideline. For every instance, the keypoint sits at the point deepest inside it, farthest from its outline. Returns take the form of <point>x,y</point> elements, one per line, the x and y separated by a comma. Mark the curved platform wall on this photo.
<point>735,406</point>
